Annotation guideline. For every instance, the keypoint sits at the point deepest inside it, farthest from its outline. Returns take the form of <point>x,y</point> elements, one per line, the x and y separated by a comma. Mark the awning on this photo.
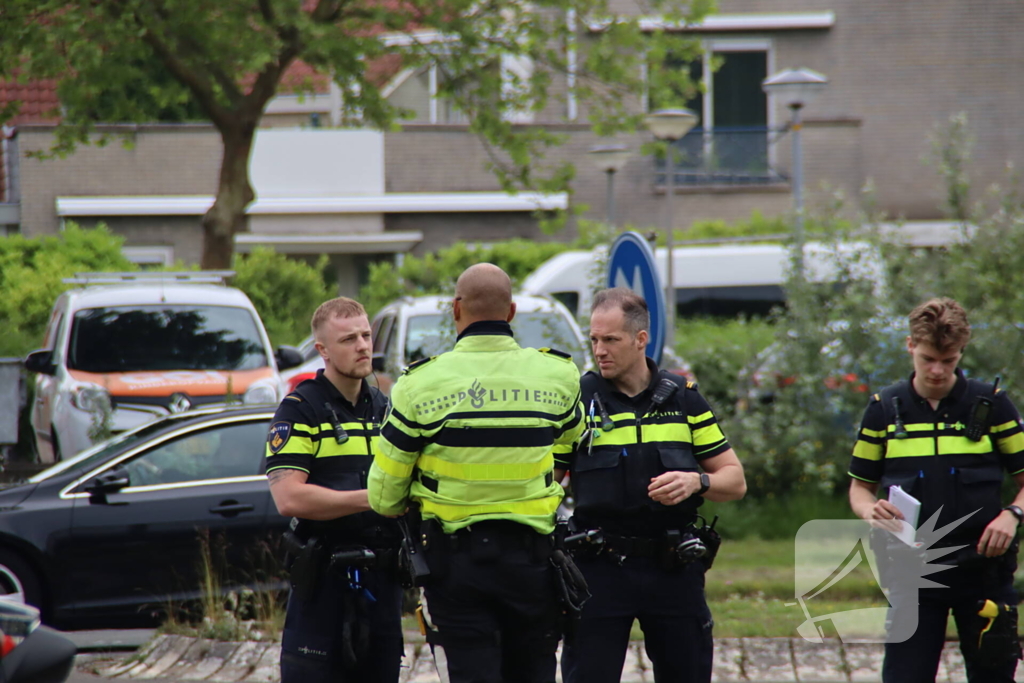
<point>725,23</point>
<point>372,243</point>
<point>409,202</point>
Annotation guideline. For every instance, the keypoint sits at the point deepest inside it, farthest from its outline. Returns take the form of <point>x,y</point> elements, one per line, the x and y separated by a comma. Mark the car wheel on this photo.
<point>18,581</point>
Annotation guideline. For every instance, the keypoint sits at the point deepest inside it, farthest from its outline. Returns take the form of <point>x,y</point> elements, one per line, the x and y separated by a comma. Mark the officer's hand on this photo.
<point>673,488</point>
<point>885,515</point>
<point>998,535</point>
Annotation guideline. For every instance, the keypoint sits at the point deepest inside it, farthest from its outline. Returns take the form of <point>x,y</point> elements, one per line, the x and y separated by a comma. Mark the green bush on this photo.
<point>718,350</point>
<point>31,274</point>
<point>837,347</point>
<point>284,291</point>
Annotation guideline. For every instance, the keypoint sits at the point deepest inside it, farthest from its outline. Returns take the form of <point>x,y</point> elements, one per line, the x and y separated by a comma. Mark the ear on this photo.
<point>910,344</point>
<point>321,349</point>
<point>511,312</point>
<point>456,310</point>
<point>642,337</point>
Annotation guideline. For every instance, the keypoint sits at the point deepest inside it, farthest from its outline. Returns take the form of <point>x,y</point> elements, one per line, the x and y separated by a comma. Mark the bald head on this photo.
<point>483,292</point>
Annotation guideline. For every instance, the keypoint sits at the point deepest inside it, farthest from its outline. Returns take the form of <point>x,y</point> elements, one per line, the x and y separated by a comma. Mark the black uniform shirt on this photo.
<point>304,433</point>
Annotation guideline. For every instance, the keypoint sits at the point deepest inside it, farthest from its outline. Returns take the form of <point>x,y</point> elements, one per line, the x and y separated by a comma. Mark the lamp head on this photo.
<point>670,124</point>
<point>609,158</point>
<point>795,87</point>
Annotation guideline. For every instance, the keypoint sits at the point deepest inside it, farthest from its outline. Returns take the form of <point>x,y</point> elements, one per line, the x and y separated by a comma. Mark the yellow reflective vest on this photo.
<point>471,432</point>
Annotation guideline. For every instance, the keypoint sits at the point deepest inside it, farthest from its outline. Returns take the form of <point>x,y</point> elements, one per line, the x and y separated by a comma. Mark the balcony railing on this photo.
<point>723,156</point>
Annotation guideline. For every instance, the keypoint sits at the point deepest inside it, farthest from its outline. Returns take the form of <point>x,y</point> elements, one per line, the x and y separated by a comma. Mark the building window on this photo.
<point>730,143</point>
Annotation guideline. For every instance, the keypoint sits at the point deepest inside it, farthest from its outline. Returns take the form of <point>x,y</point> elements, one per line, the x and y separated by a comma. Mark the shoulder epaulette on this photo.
<point>555,352</point>
<point>691,385</point>
<point>417,364</point>
<point>876,397</point>
<point>294,397</point>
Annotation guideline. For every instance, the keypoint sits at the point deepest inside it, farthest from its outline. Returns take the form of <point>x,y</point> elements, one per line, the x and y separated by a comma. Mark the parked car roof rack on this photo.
<point>217,277</point>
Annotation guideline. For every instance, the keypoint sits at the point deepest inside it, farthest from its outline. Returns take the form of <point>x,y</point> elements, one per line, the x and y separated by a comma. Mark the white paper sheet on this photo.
<point>911,509</point>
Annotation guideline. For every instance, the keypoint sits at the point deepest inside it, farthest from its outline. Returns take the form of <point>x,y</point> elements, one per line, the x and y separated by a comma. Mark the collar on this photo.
<point>610,388</point>
<point>337,396</point>
<point>481,327</point>
<point>955,394</point>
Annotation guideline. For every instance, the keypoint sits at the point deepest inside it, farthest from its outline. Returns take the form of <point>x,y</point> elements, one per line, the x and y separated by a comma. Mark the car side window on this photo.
<point>216,453</point>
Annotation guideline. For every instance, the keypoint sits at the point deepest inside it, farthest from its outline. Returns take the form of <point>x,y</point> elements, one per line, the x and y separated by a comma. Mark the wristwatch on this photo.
<point>1016,512</point>
<point>705,484</point>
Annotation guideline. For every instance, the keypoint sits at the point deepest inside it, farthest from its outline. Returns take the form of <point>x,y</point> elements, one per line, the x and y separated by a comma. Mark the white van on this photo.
<point>143,345</point>
<point>715,280</point>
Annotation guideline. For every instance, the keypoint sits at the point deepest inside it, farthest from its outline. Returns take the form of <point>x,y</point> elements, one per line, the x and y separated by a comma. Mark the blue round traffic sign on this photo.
<point>631,265</point>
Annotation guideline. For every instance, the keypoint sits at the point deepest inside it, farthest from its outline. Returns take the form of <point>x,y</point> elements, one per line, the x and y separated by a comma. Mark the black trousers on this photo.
<point>916,660</point>
<point>366,622</point>
<point>491,598</point>
<point>672,612</point>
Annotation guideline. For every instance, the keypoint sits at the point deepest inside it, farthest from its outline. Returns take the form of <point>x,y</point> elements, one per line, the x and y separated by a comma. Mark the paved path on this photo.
<point>752,660</point>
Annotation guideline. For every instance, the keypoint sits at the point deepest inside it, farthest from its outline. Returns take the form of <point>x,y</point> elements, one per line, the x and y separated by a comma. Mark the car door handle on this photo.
<point>230,508</point>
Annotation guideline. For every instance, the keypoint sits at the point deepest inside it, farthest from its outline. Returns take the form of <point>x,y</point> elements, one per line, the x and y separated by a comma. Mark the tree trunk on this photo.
<point>234,193</point>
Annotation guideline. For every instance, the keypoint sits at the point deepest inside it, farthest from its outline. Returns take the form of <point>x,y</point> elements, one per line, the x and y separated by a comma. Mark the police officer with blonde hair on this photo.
<point>946,440</point>
<point>469,440</point>
<point>343,622</point>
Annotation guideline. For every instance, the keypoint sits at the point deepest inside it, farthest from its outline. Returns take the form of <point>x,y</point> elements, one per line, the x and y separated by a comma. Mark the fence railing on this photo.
<point>724,156</point>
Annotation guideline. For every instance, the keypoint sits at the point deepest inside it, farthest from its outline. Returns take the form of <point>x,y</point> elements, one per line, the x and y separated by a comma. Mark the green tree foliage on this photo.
<point>285,291</point>
<point>436,273</point>
<point>834,348</point>
<point>231,57</point>
<point>32,273</point>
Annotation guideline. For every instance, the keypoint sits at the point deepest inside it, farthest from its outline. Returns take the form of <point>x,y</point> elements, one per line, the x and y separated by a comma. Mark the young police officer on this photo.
<point>946,440</point>
<point>470,438</point>
<point>344,612</point>
<point>653,452</point>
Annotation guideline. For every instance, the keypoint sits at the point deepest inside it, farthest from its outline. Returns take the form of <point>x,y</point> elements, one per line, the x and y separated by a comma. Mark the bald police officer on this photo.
<point>470,439</point>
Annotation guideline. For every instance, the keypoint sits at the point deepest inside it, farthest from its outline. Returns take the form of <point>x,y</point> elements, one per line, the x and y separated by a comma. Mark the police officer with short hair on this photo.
<point>470,439</point>
<point>652,453</point>
<point>343,621</point>
<point>946,440</point>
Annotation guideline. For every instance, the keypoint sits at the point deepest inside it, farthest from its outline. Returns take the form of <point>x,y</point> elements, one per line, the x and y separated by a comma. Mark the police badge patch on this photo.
<point>278,436</point>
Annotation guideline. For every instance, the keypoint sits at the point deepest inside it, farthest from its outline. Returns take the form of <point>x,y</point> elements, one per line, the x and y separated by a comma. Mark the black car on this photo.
<point>117,536</point>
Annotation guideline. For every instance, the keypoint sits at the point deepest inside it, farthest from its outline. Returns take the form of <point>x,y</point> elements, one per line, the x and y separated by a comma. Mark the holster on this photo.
<point>712,541</point>
<point>413,567</point>
<point>991,637</point>
<point>306,570</point>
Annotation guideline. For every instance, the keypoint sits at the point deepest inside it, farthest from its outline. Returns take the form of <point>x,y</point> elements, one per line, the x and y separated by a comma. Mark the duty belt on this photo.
<point>507,535</point>
<point>634,546</point>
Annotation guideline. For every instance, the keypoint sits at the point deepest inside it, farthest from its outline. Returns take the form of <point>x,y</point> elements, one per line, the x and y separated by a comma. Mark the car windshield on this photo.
<point>431,334</point>
<point>165,337</point>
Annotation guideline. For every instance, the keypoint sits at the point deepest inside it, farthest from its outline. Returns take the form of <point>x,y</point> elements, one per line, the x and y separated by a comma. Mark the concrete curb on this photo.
<point>765,660</point>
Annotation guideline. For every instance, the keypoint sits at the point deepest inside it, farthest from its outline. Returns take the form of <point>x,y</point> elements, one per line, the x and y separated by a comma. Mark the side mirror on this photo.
<point>107,483</point>
<point>41,362</point>
<point>377,362</point>
<point>287,357</point>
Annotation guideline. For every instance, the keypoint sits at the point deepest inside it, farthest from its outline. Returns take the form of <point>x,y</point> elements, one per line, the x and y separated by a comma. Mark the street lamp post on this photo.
<point>610,159</point>
<point>796,87</point>
<point>670,125</point>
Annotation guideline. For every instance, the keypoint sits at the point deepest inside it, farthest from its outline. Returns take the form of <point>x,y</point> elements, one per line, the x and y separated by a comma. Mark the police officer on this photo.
<point>470,438</point>
<point>652,453</point>
<point>946,440</point>
<point>343,620</point>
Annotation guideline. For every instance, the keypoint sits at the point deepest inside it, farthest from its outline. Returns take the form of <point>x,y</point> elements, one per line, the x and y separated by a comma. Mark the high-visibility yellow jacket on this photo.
<point>471,432</point>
